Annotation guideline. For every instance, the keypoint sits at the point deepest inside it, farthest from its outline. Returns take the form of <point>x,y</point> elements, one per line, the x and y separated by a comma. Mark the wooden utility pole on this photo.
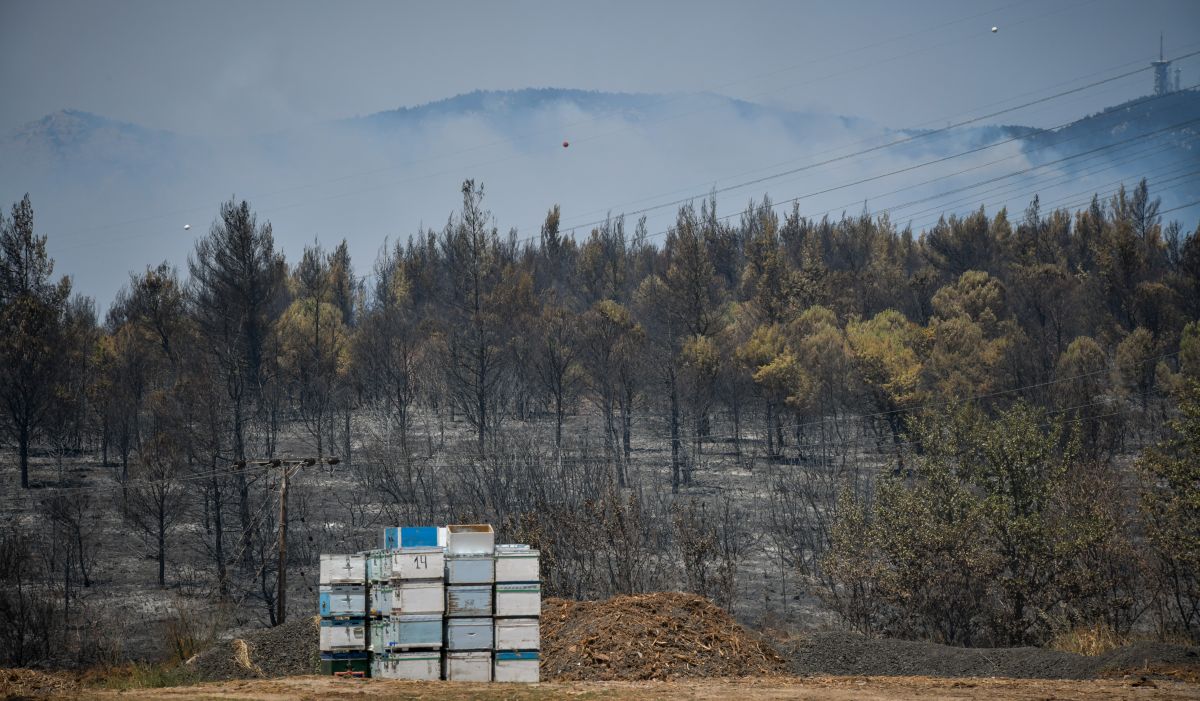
<point>281,578</point>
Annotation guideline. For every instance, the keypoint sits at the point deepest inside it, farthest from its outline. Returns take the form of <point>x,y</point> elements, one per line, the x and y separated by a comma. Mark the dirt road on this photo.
<point>814,689</point>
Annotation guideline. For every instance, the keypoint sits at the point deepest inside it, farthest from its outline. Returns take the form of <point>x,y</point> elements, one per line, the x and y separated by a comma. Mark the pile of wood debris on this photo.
<point>650,636</point>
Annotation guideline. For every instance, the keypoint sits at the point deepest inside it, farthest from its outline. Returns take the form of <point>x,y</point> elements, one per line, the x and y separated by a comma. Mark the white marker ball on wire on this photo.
<point>187,227</point>
<point>995,29</point>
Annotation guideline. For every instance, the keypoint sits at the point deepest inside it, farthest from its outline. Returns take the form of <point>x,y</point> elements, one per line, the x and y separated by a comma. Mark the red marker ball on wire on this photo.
<point>566,144</point>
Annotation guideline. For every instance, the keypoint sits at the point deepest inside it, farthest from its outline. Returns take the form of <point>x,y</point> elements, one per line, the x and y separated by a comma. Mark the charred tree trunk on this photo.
<point>23,442</point>
<point>770,430</point>
<point>558,417</point>
<point>675,457</point>
<point>219,540</point>
<point>627,424</point>
<point>162,545</point>
<point>239,451</point>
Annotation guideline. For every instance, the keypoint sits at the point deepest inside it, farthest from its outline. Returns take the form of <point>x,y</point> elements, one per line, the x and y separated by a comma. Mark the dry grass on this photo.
<point>137,675</point>
<point>1099,639</point>
<point>191,629</point>
<point>1092,641</point>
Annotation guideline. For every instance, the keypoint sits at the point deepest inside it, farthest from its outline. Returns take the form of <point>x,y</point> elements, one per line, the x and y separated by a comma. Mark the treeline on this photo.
<point>788,340</point>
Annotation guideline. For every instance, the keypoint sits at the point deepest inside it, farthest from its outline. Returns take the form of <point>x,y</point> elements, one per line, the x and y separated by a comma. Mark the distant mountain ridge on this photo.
<point>100,184</point>
<point>75,137</point>
<point>1175,112</point>
<point>629,105</point>
<point>67,131</point>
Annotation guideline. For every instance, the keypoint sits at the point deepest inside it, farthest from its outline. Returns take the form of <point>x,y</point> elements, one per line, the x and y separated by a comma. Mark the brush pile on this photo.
<point>651,636</point>
<point>30,683</point>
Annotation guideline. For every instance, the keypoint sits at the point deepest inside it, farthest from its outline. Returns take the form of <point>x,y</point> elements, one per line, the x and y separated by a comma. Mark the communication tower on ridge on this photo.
<point>1162,72</point>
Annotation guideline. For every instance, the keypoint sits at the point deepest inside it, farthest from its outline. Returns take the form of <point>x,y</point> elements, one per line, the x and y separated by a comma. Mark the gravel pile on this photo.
<point>650,636</point>
<point>1149,654</point>
<point>283,651</point>
<point>837,653</point>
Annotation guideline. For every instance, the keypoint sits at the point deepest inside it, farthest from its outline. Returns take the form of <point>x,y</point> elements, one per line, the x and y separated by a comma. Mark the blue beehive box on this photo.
<point>469,633</point>
<point>342,601</point>
<point>410,537</point>
<point>407,632</point>
<point>418,631</point>
<point>469,601</point>
<point>516,666</point>
<point>471,569</point>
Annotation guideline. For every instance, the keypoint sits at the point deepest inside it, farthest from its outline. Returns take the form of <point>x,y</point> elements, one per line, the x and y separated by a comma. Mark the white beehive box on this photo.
<point>343,569</point>
<point>418,563</point>
<point>519,666</point>
<point>516,563</point>
<point>469,666</point>
<point>470,539</point>
<point>519,599</point>
<point>517,634</point>
<point>341,635</point>
<point>417,596</point>
<point>470,569</point>
<point>422,666</point>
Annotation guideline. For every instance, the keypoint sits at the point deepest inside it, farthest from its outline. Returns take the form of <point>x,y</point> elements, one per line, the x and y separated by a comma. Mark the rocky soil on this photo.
<point>850,654</point>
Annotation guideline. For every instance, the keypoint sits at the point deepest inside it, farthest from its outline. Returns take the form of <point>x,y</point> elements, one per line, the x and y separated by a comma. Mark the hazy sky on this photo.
<point>224,71</point>
<point>229,67</point>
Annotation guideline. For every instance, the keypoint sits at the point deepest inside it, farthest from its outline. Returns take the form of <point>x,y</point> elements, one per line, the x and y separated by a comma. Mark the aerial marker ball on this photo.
<point>187,227</point>
<point>995,29</point>
<point>566,144</point>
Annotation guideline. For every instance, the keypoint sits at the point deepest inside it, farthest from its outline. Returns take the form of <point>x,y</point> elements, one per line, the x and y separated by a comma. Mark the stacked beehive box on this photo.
<point>470,577</point>
<point>517,636</point>
<point>407,636</point>
<point>343,607</point>
<point>433,603</point>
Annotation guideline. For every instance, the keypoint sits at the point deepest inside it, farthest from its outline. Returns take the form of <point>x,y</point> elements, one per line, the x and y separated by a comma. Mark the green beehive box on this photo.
<point>346,663</point>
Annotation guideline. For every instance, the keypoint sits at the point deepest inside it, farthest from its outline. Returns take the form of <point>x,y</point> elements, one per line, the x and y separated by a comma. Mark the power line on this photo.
<point>890,144</point>
<point>1022,171</point>
<point>906,169</point>
<point>665,99</point>
<point>1072,202</point>
<point>566,221</point>
<point>960,154</point>
<point>1044,184</point>
<point>1153,149</point>
<point>1182,206</point>
<point>597,222</point>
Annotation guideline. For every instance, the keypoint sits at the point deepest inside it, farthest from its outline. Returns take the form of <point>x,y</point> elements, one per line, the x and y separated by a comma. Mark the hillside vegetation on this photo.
<point>984,433</point>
